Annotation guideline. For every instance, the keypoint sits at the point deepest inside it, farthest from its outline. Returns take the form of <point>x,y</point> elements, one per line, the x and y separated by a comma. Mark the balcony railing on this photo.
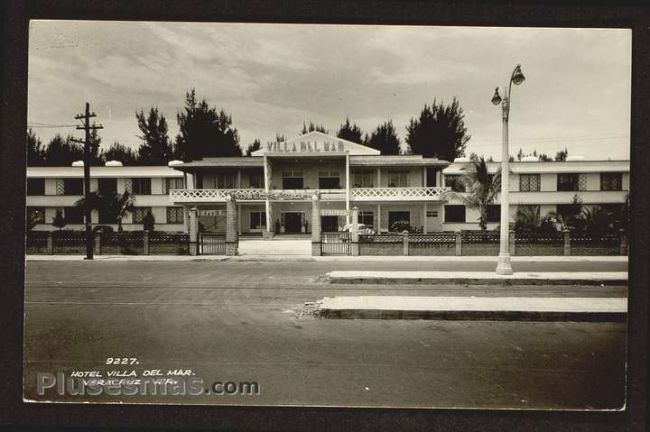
<point>398,194</point>
<point>357,194</point>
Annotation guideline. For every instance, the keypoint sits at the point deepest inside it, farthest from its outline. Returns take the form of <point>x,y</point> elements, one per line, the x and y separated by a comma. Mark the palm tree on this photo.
<point>481,189</point>
<point>113,203</point>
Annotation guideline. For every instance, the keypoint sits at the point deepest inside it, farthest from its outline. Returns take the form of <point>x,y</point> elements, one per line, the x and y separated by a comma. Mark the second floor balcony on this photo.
<point>356,194</point>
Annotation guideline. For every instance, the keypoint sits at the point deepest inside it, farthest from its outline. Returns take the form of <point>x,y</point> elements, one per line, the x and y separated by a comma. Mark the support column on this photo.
<point>315,226</point>
<point>145,240</point>
<point>378,177</point>
<point>378,218</point>
<point>50,243</point>
<point>567,242</point>
<point>194,231</point>
<point>232,240</point>
<point>347,187</point>
<point>424,222</point>
<point>623,248</point>
<point>459,244</point>
<point>239,215</point>
<point>513,246</point>
<point>98,243</point>
<point>354,234</point>
<point>268,232</point>
<point>405,242</point>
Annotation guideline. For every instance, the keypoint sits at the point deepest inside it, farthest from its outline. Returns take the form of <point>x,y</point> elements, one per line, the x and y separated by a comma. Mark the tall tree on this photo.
<point>439,131</point>
<point>35,149</point>
<point>62,152</point>
<point>120,153</point>
<point>350,132</point>
<point>156,149</point>
<point>561,155</point>
<point>385,139</point>
<point>95,152</point>
<point>481,189</point>
<point>204,131</point>
<point>313,127</point>
<point>256,145</point>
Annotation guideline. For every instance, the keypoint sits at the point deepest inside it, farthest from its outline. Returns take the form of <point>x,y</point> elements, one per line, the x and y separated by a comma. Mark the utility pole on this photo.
<point>86,126</point>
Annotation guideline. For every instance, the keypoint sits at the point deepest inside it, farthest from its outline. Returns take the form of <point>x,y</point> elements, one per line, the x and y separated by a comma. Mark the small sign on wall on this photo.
<point>432,213</point>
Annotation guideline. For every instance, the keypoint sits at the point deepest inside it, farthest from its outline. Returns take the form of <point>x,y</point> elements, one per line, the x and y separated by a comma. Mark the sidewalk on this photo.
<point>349,259</point>
<point>475,308</point>
<point>475,277</point>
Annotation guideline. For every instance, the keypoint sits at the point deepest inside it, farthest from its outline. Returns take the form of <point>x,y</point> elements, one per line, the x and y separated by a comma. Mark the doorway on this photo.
<point>329,223</point>
<point>292,222</point>
<point>398,216</point>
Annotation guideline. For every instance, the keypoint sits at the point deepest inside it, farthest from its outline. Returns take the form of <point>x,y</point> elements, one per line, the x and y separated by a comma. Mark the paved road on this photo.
<point>246,321</point>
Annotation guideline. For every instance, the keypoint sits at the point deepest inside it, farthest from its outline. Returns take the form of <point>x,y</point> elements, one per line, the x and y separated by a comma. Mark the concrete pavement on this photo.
<point>475,308</point>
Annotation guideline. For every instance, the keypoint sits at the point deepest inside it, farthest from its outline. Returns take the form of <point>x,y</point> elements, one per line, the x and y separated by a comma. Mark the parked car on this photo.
<point>361,229</point>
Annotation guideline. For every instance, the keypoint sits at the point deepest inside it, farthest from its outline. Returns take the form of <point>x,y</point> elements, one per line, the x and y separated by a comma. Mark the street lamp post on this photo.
<point>503,264</point>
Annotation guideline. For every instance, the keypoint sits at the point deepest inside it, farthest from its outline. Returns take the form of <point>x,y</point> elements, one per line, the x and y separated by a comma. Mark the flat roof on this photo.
<point>584,166</point>
<point>221,162</point>
<point>102,171</point>
<point>396,160</point>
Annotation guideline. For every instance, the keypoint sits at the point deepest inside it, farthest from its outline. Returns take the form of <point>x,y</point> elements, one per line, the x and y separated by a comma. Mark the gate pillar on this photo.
<point>354,234</point>
<point>194,231</point>
<point>315,226</point>
<point>232,239</point>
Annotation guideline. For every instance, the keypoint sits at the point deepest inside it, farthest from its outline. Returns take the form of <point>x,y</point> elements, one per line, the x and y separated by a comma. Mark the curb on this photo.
<point>468,281</point>
<point>463,315</point>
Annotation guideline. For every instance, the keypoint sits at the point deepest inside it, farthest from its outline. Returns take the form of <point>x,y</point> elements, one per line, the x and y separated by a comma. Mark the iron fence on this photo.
<point>36,242</point>
<point>335,243</point>
<point>539,243</point>
<point>161,243</point>
<point>69,242</point>
<point>440,243</point>
<point>212,244</point>
<point>480,243</point>
<point>595,243</point>
<point>122,243</point>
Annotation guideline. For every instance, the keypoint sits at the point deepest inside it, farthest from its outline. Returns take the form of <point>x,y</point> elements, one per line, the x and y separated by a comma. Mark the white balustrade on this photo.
<point>356,194</point>
<point>398,194</point>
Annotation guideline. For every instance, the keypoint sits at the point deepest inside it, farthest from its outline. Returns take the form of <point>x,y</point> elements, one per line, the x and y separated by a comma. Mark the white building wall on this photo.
<point>548,182</point>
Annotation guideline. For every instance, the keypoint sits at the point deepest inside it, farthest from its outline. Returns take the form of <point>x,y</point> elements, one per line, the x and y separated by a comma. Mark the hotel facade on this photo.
<point>274,188</point>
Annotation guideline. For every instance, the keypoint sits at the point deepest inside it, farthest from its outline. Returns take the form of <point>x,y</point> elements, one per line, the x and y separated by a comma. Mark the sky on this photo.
<point>273,77</point>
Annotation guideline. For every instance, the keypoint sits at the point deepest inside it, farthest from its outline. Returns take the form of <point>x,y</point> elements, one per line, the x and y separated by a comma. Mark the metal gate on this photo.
<point>212,244</point>
<point>335,243</point>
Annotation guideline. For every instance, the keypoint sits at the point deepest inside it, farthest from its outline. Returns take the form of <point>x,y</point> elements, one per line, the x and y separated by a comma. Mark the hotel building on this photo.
<point>274,187</point>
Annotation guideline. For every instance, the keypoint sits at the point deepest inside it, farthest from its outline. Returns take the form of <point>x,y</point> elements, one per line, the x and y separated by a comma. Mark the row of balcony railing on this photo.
<point>356,194</point>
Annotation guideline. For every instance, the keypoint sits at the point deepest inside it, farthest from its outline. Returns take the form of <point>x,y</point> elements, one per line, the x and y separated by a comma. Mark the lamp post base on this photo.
<point>503,265</point>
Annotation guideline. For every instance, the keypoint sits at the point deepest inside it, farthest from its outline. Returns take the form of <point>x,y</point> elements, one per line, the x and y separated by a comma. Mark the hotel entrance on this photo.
<point>293,222</point>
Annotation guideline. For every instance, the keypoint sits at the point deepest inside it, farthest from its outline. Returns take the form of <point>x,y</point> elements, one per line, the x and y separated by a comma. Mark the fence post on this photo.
<point>194,231</point>
<point>354,235</point>
<point>315,226</point>
<point>50,243</point>
<point>459,246</point>
<point>405,242</point>
<point>623,250</point>
<point>145,239</point>
<point>567,242</point>
<point>232,239</point>
<point>98,243</point>
<point>512,245</point>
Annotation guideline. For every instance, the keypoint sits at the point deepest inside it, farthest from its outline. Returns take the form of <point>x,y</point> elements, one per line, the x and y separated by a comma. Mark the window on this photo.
<point>454,213</point>
<point>255,180</point>
<point>398,179</point>
<point>363,179</point>
<point>399,221</point>
<point>171,184</point>
<point>292,180</point>
<point>73,215</point>
<point>141,186</point>
<point>529,209</point>
<point>36,186</point>
<point>258,220</point>
<point>36,214</point>
<point>139,213</point>
<point>107,186</point>
<point>225,180</point>
<point>73,187</point>
<point>571,182</point>
<point>174,215</point>
<point>367,218</point>
<point>528,182</point>
<point>453,182</point>
<point>329,180</point>
<point>611,181</point>
<point>432,213</point>
<point>493,213</point>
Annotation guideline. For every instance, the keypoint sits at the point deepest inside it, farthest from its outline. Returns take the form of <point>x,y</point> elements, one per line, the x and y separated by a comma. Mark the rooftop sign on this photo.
<point>316,143</point>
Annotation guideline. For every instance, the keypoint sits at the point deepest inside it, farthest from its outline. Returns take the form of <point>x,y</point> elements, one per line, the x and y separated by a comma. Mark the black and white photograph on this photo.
<point>327,215</point>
